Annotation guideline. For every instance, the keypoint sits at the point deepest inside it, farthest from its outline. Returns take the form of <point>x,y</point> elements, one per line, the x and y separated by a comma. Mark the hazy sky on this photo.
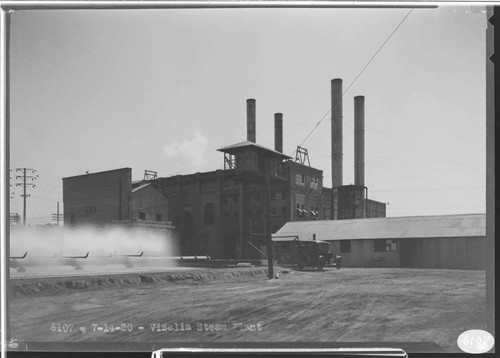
<point>163,89</point>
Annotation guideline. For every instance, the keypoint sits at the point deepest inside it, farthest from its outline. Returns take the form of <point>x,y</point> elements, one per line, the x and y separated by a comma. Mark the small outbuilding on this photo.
<point>444,241</point>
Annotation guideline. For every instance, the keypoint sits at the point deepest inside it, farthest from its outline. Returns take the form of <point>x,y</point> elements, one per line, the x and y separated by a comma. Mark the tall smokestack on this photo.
<point>359,140</point>
<point>278,132</point>
<point>251,120</point>
<point>337,153</point>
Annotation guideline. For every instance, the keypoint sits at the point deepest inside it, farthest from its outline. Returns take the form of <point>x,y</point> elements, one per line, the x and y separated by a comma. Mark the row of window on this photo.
<point>301,179</point>
<point>233,199</point>
<point>379,245</point>
<point>142,216</point>
<point>301,211</point>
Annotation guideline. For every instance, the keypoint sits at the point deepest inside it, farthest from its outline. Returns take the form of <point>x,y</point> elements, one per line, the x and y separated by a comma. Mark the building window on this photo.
<point>385,245</point>
<point>225,200</point>
<point>235,199</point>
<point>391,245</point>
<point>345,246</point>
<point>301,211</point>
<point>91,209</point>
<point>142,215</point>
<point>315,183</point>
<point>209,213</point>
<point>236,214</point>
<point>300,179</point>
<point>158,217</point>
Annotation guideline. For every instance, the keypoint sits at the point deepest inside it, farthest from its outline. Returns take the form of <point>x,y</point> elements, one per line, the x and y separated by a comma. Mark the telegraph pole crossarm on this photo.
<point>24,184</point>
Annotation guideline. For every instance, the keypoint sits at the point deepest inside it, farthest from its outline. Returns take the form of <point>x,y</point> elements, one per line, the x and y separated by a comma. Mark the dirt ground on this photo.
<point>241,305</point>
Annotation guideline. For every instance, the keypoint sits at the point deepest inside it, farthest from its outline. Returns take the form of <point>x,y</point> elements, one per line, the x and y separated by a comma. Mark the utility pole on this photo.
<point>57,216</point>
<point>267,215</point>
<point>24,184</point>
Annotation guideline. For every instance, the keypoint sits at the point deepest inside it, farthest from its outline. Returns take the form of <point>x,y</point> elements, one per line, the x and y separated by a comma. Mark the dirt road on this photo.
<point>350,305</point>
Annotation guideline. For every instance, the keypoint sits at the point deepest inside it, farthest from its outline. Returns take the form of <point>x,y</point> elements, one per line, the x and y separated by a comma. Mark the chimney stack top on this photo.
<point>251,126</point>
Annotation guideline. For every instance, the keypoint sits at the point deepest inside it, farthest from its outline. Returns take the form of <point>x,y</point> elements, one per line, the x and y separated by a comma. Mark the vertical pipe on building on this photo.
<point>251,126</point>
<point>337,153</point>
<point>359,140</point>
<point>278,132</point>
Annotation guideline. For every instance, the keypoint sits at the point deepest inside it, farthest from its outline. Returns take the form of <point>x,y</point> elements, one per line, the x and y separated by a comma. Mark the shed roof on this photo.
<point>464,225</point>
<point>235,148</point>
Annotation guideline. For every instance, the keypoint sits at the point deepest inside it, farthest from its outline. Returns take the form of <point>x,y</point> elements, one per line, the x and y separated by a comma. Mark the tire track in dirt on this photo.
<point>347,305</point>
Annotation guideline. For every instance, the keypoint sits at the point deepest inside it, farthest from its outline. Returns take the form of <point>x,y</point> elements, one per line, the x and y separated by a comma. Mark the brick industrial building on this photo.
<point>229,213</point>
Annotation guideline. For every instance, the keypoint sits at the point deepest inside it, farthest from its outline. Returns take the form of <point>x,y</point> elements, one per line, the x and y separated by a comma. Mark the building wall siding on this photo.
<point>97,199</point>
<point>375,209</point>
<point>150,202</point>
<point>454,253</point>
<point>309,192</point>
<point>363,255</point>
<point>434,253</point>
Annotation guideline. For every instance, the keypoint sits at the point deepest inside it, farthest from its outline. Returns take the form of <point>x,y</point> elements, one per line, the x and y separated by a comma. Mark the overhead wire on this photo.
<point>359,74</point>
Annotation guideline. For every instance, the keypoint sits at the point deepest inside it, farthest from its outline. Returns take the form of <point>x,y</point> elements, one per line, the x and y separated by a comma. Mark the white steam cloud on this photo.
<point>97,242</point>
<point>191,151</point>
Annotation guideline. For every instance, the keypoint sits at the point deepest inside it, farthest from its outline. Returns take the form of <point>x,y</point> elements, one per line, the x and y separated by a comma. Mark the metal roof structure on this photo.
<point>135,190</point>
<point>140,187</point>
<point>407,227</point>
<point>235,148</point>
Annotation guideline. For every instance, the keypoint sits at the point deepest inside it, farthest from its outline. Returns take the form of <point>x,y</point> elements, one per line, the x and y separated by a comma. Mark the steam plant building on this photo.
<point>230,213</point>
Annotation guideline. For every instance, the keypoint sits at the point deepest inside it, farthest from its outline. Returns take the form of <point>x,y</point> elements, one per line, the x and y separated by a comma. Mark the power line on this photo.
<point>359,74</point>
<point>380,48</point>
<point>428,189</point>
<point>57,217</point>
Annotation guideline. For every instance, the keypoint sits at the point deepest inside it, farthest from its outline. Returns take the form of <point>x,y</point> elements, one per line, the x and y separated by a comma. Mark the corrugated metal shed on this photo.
<point>465,225</point>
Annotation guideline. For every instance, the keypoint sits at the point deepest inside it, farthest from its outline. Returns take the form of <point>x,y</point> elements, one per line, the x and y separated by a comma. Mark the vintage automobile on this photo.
<point>289,250</point>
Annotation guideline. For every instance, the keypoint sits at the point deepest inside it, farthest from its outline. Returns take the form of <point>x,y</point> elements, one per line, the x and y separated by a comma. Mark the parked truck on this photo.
<point>289,250</point>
